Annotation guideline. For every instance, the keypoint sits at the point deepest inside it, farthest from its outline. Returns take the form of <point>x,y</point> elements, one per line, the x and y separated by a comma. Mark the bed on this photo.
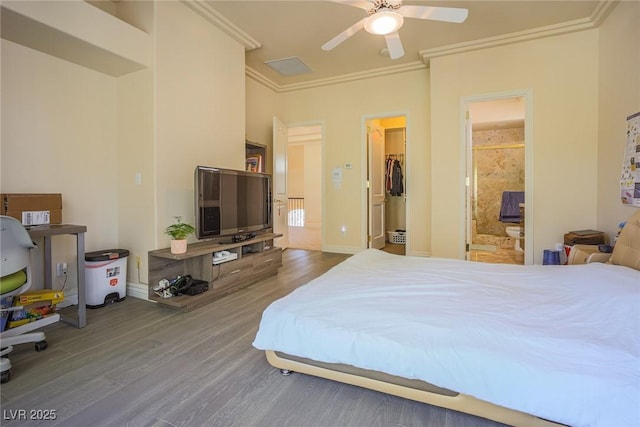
<point>523,345</point>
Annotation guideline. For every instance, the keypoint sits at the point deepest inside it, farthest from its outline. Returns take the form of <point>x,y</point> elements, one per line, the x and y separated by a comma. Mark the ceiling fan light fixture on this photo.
<point>383,22</point>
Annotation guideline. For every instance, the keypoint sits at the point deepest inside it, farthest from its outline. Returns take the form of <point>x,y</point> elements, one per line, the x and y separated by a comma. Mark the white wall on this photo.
<point>562,73</point>
<point>619,86</point>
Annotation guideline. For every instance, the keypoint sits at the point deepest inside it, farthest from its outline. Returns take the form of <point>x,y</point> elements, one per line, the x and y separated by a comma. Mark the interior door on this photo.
<point>377,191</point>
<point>280,198</point>
<point>468,136</point>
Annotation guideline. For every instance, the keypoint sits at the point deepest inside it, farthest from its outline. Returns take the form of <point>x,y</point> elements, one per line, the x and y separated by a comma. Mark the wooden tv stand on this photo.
<point>257,260</point>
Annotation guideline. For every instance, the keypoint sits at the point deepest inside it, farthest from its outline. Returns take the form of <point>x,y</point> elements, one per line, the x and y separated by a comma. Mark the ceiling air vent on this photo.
<point>289,66</point>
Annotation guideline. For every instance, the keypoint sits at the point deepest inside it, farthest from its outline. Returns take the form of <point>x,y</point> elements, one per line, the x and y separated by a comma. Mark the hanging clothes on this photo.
<point>388,183</point>
<point>397,188</point>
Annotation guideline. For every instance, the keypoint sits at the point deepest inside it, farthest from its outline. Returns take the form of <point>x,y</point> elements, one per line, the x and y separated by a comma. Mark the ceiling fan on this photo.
<point>385,17</point>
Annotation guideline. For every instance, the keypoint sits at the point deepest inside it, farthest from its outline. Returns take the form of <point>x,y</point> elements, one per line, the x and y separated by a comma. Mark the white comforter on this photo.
<point>559,342</point>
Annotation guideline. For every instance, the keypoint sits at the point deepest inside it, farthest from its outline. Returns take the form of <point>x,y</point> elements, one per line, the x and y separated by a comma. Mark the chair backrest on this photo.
<point>15,250</point>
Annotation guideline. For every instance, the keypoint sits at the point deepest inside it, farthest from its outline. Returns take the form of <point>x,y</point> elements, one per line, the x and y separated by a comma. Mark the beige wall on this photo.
<point>69,129</point>
<point>295,170</point>
<point>58,132</point>
<point>304,172</point>
<point>619,85</point>
<point>313,183</point>
<point>262,104</point>
<point>342,108</point>
<point>199,108</point>
<point>562,73</point>
<point>122,151</point>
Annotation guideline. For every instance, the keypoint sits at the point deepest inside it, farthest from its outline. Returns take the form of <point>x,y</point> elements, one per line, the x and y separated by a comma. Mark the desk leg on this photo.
<point>82,295</point>
<point>48,281</point>
<point>81,321</point>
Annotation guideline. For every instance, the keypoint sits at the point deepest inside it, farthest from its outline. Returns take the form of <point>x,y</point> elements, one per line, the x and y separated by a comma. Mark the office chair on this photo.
<point>15,279</point>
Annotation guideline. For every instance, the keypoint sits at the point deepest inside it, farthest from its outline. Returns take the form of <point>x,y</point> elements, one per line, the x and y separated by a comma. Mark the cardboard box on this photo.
<point>33,209</point>
<point>38,296</point>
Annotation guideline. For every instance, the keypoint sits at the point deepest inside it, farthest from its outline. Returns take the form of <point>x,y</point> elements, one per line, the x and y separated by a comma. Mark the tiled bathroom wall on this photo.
<point>498,161</point>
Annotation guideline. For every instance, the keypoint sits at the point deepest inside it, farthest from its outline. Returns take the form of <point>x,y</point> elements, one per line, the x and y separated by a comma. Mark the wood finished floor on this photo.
<point>139,364</point>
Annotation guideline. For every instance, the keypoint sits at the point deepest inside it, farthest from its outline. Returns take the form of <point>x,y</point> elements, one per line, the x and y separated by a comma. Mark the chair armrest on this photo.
<point>599,257</point>
<point>584,254</point>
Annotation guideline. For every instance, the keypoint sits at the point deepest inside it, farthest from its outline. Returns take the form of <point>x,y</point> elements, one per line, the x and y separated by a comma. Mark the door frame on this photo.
<point>364,177</point>
<point>466,164</point>
<point>322,126</point>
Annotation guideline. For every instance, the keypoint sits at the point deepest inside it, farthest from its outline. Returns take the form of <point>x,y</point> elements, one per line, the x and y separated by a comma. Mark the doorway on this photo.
<point>304,184</point>
<point>497,147</point>
<point>386,195</point>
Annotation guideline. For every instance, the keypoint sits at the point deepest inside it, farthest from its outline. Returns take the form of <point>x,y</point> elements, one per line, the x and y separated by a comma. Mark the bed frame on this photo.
<point>424,392</point>
<point>626,253</point>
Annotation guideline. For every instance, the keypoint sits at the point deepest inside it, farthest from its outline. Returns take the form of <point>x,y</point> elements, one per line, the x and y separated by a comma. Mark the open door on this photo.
<point>468,136</point>
<point>280,197</point>
<point>498,152</point>
<point>377,193</point>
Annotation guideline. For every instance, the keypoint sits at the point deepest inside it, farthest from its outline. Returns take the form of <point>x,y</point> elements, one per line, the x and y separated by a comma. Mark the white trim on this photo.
<point>602,10</point>
<point>341,249</point>
<point>361,75</point>
<point>138,290</point>
<point>364,159</point>
<point>206,11</point>
<point>527,95</point>
<point>321,124</point>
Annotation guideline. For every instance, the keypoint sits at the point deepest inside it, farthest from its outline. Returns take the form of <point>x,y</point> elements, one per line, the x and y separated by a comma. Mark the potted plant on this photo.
<point>178,233</point>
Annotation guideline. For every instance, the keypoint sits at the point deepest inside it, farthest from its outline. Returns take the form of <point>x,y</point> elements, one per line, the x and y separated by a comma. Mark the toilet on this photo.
<point>510,208</point>
<point>515,233</point>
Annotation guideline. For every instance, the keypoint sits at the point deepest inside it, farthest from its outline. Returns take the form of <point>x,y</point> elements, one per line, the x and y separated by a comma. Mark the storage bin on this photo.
<point>105,277</point>
<point>397,237</point>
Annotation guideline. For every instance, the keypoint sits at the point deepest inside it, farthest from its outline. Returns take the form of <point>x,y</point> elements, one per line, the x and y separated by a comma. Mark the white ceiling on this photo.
<point>284,29</point>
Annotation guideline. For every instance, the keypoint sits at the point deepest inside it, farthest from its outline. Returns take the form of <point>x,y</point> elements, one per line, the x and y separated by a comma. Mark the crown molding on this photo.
<point>253,74</point>
<point>602,10</point>
<point>203,9</point>
<point>361,75</point>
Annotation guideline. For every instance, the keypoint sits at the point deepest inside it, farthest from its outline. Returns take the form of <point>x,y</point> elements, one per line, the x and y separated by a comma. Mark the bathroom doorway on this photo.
<point>496,147</point>
<point>386,196</point>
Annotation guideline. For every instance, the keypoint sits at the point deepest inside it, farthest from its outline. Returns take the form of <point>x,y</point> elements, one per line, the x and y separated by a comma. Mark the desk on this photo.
<point>47,232</point>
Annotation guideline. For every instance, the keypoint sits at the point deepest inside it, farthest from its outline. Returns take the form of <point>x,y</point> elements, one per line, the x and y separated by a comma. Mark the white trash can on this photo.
<point>105,277</point>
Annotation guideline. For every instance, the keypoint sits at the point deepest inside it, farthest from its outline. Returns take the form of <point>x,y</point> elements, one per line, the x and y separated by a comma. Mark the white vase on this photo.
<point>179,246</point>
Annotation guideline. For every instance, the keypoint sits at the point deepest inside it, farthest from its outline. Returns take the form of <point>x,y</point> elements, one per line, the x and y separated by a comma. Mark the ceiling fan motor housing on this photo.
<point>377,5</point>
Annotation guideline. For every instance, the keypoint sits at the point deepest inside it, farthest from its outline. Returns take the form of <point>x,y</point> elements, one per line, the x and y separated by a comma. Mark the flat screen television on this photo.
<point>231,202</point>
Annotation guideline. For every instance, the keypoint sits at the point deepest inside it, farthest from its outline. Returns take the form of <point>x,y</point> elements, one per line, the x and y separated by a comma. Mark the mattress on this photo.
<point>559,342</point>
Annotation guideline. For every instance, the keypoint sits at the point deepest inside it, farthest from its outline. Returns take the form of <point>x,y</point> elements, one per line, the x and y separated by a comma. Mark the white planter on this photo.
<point>178,246</point>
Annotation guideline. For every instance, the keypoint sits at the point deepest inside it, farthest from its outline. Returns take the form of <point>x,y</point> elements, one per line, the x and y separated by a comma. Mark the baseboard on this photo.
<point>341,249</point>
<point>138,290</point>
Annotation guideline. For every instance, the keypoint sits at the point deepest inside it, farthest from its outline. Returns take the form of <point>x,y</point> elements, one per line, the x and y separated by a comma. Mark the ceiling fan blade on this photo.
<point>362,4</point>
<point>344,35</point>
<point>447,14</point>
<point>394,45</point>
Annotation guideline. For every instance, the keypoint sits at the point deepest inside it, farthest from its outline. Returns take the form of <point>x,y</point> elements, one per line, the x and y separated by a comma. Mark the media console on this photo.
<point>257,259</point>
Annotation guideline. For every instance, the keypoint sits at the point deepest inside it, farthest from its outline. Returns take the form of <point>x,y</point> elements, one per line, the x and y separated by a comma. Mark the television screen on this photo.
<point>230,202</point>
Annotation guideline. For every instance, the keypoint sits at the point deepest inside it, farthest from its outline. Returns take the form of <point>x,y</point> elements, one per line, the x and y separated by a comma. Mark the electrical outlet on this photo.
<point>61,269</point>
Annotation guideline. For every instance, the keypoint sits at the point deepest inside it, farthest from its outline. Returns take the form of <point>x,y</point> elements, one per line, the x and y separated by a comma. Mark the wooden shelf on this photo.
<point>257,260</point>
